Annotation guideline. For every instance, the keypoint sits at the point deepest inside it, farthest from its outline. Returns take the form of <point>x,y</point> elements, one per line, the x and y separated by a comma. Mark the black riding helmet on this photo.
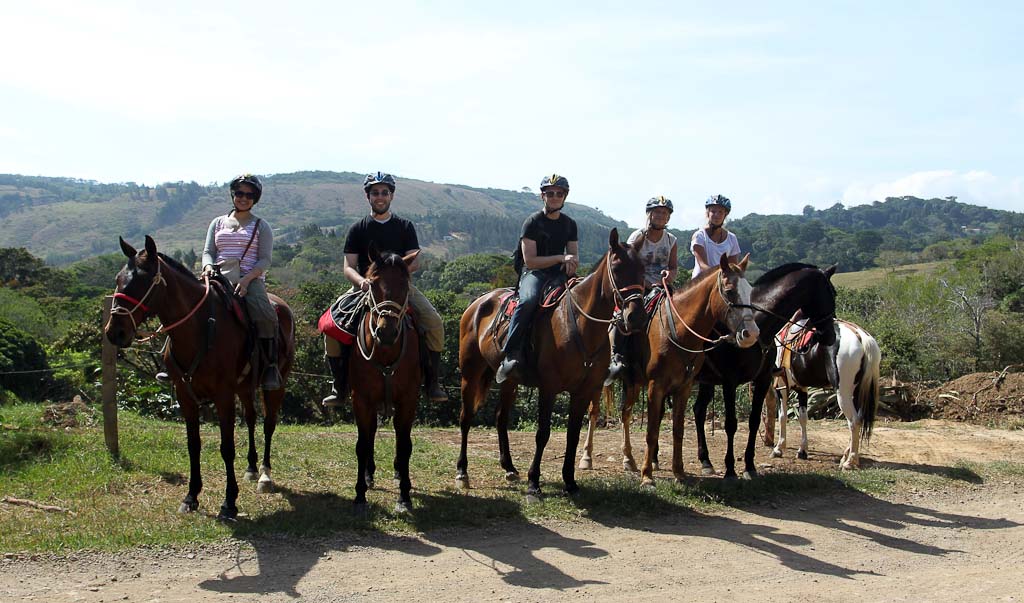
<point>719,200</point>
<point>252,181</point>
<point>555,180</point>
<point>660,201</point>
<point>379,178</point>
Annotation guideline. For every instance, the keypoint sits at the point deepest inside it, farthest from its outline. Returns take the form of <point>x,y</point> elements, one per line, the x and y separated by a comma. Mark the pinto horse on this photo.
<point>850,366</point>
<point>775,297</point>
<point>208,338</point>
<point>385,374</point>
<point>570,353</point>
<point>674,350</point>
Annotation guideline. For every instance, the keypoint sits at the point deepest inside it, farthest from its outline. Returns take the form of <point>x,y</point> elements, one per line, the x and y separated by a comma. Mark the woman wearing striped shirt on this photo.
<point>241,235</point>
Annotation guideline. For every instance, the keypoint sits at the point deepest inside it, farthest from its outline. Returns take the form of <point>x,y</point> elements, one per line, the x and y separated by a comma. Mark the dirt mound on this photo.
<point>988,398</point>
<point>68,414</point>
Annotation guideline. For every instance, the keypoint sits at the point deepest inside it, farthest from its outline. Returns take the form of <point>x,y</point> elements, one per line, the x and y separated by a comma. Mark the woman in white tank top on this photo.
<point>711,242</point>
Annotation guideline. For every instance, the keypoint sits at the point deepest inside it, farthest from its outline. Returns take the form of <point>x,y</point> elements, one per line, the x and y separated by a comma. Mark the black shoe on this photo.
<point>434,391</point>
<point>616,368</point>
<point>271,378</point>
<point>339,370</point>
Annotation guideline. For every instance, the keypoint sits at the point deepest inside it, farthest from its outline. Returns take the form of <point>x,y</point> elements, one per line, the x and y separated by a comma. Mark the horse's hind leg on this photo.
<point>506,401</point>
<point>760,387</point>
<point>587,458</point>
<point>630,393</point>
<point>705,393</point>
<point>577,409</point>
<point>226,416</point>
<point>545,406</point>
<point>249,409</point>
<point>782,401</point>
<point>475,384</point>
<point>731,424</point>
<point>801,397</point>
<point>272,401</point>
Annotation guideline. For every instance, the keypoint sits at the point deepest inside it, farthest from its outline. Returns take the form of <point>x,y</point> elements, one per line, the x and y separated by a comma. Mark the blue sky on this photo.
<point>775,105</point>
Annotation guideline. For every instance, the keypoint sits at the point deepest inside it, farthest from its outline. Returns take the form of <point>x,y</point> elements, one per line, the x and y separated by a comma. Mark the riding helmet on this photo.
<point>660,201</point>
<point>378,178</point>
<point>252,181</point>
<point>719,200</point>
<point>555,180</point>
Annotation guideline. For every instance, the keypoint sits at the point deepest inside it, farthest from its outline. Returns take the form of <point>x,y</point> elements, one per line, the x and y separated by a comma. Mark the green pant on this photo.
<point>261,311</point>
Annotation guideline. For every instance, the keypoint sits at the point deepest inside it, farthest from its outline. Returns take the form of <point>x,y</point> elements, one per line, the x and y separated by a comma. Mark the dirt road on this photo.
<point>962,543</point>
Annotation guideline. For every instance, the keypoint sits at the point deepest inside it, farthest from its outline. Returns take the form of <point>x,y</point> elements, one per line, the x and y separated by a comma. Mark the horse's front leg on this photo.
<point>801,397</point>
<point>246,395</point>
<point>226,416</point>
<point>655,400</point>
<point>366,423</point>
<point>506,401</point>
<point>577,409</point>
<point>731,424</point>
<point>630,394</point>
<point>403,452</point>
<point>190,411</point>
<point>705,393</point>
<point>272,401</point>
<point>679,399</point>
<point>760,387</point>
<point>544,408</point>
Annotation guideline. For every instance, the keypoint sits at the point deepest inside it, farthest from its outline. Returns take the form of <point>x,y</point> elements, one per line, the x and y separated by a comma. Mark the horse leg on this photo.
<point>249,408</point>
<point>629,396</point>
<point>190,411</point>
<point>845,395</point>
<point>226,416</point>
<point>731,424</point>
<point>507,399</point>
<point>801,397</point>
<point>587,458</point>
<point>403,451</point>
<point>655,400</point>
<point>782,399</point>
<point>272,401</point>
<point>544,408</point>
<point>761,385</point>
<point>578,404</point>
<point>366,422</point>
<point>680,396</point>
<point>705,393</point>
<point>770,408</point>
<point>371,462</point>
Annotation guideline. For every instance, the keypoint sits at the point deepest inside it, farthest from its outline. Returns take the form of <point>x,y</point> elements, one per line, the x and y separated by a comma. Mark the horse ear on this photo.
<point>830,270</point>
<point>613,238</point>
<point>744,262</point>
<point>127,249</point>
<point>150,248</point>
<point>374,253</point>
<point>409,259</point>
<point>724,264</point>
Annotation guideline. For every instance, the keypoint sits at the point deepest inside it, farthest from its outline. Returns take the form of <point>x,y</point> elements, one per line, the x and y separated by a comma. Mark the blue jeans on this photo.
<point>531,288</point>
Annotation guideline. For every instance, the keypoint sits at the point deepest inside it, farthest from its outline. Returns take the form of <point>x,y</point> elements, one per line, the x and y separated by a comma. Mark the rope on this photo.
<point>50,370</point>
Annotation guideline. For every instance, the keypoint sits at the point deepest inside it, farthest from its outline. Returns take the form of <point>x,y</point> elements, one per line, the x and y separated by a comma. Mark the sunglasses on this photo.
<point>379,193</point>
<point>554,194</point>
<point>243,195</point>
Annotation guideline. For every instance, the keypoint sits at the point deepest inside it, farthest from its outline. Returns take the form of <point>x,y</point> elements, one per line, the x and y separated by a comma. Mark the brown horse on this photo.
<point>208,358</point>
<point>680,327</point>
<point>385,372</point>
<point>573,337</point>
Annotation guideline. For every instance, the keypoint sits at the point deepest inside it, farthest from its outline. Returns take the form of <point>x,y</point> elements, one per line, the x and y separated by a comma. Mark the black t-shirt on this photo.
<point>397,235</point>
<point>551,236</point>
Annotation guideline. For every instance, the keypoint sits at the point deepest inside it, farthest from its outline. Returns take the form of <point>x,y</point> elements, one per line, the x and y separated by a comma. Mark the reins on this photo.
<point>673,311</point>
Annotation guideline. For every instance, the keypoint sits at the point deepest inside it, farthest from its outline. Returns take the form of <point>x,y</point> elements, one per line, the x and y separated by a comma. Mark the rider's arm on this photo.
<point>700,254</point>
<point>572,249</point>
<point>538,262</point>
<point>352,272</point>
<point>734,255</point>
<point>673,263</point>
<point>210,246</point>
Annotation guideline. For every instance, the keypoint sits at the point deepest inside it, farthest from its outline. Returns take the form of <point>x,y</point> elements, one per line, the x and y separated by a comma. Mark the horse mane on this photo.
<point>776,273</point>
<point>388,258</point>
<point>690,284</point>
<point>173,263</point>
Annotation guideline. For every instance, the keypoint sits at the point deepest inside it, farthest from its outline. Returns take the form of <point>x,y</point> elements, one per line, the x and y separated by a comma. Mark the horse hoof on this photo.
<point>265,486</point>
<point>647,484</point>
<point>572,489</point>
<point>250,476</point>
<point>369,484</point>
<point>802,455</point>
<point>630,467</point>
<point>187,507</point>
<point>586,464</point>
<point>532,497</point>
<point>227,513</point>
<point>776,453</point>
<point>511,476</point>
<point>749,474</point>
<point>654,466</point>
<point>403,508</point>
<point>680,478</point>
<point>359,510</point>
<point>462,482</point>
<point>730,478</point>
<point>707,471</point>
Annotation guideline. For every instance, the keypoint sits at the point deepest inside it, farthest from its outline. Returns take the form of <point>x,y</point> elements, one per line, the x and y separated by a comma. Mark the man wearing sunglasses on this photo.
<point>388,232</point>
<point>549,245</point>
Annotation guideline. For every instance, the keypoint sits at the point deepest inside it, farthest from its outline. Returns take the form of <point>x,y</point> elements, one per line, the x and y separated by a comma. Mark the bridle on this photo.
<point>383,309</point>
<point>621,299</point>
<point>158,279</point>
<point>720,287</point>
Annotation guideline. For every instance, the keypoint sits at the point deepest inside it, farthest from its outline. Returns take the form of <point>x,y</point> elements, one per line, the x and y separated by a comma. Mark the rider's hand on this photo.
<point>242,288</point>
<point>207,270</point>
<point>365,285</point>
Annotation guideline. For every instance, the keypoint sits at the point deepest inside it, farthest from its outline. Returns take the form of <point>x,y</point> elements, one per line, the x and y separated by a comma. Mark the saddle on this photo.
<point>794,338</point>
<point>341,321</point>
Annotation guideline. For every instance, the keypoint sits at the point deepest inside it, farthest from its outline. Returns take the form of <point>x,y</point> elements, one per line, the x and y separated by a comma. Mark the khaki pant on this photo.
<point>261,311</point>
<point>428,322</point>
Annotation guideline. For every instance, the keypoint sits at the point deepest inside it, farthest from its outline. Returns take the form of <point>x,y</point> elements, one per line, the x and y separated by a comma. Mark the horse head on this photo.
<point>821,308</point>
<point>626,277</point>
<point>133,299</point>
<point>389,276</point>
<point>735,291</point>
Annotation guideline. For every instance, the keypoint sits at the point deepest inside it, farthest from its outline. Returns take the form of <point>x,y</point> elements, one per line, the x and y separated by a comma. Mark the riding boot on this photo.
<point>509,366</point>
<point>271,379</point>
<point>617,366</point>
<point>434,391</point>
<point>339,370</point>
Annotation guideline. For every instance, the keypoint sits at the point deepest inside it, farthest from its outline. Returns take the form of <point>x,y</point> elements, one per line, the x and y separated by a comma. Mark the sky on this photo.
<point>776,105</point>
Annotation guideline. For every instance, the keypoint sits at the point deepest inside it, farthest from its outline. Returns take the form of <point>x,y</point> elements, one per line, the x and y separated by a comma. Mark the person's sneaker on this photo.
<point>163,377</point>
<point>615,368</point>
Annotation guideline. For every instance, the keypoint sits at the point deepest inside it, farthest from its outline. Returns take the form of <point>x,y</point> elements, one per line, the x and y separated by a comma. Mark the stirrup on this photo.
<point>506,369</point>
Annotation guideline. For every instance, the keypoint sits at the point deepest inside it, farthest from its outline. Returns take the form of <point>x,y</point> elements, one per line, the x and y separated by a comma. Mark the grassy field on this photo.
<point>866,278</point>
<point>131,502</point>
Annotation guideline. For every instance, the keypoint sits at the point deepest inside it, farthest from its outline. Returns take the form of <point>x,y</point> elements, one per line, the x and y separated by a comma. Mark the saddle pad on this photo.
<point>551,294</point>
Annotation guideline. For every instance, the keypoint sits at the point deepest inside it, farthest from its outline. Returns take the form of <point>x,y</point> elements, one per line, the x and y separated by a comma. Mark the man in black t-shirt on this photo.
<point>550,246</point>
<point>398,235</point>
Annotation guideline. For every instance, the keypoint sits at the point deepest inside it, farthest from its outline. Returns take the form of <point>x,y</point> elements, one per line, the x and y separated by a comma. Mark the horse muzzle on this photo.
<point>747,337</point>
<point>120,336</point>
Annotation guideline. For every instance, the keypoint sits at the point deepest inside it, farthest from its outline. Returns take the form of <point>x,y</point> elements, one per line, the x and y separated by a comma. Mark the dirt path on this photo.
<point>963,543</point>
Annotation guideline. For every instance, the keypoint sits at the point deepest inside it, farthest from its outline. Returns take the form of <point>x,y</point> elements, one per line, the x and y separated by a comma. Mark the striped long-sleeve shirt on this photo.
<point>226,238</point>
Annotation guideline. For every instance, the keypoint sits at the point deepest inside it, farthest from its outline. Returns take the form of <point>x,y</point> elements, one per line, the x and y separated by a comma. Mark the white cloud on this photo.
<point>978,187</point>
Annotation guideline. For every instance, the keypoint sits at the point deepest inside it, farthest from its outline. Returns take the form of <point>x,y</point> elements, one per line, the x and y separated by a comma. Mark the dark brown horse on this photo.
<point>208,358</point>
<point>677,338</point>
<point>570,354</point>
<point>385,372</point>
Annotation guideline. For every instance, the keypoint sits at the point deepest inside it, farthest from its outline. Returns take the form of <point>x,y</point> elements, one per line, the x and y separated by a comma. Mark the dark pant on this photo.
<point>531,288</point>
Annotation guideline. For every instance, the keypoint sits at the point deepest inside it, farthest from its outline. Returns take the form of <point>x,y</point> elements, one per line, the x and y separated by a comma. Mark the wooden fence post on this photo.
<point>109,358</point>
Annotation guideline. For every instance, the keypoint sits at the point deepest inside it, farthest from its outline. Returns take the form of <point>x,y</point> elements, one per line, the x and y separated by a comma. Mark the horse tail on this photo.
<point>867,384</point>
